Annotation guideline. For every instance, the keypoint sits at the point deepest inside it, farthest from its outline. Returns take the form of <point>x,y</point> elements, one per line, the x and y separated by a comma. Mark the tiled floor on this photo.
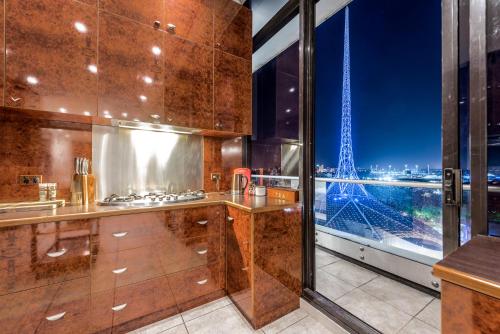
<point>387,305</point>
<point>222,317</point>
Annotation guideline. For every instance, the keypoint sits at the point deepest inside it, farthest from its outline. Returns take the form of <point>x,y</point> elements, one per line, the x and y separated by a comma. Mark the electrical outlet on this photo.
<point>215,176</point>
<point>29,180</point>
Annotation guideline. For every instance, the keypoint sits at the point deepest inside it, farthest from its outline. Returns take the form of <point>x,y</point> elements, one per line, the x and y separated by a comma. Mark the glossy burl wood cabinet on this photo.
<point>264,263</point>
<point>179,62</point>
<point>111,274</point>
<point>51,56</point>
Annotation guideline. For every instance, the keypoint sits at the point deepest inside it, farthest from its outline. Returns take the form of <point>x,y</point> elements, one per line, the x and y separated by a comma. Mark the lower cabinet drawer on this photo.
<point>131,266</point>
<point>191,284</point>
<point>184,254</point>
<point>21,312</point>
<point>140,304</point>
<point>69,312</point>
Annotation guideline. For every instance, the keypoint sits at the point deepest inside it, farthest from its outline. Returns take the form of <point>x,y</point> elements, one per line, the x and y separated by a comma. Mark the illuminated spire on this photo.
<point>346,169</point>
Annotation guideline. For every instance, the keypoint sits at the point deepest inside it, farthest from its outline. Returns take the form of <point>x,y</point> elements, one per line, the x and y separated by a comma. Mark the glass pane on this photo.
<point>493,91</point>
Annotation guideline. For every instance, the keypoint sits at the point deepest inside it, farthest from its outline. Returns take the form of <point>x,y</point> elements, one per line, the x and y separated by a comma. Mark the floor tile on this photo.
<point>324,258</point>
<point>181,329</point>
<point>400,296</point>
<point>160,326</point>
<point>350,273</point>
<point>330,286</point>
<point>285,321</point>
<point>416,326</point>
<point>309,325</point>
<point>206,308</point>
<point>431,314</point>
<point>378,314</point>
<point>222,321</point>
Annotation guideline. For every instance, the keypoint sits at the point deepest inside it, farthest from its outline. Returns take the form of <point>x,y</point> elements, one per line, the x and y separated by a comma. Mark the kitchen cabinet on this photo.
<point>264,263</point>
<point>188,84</point>
<point>233,28</point>
<point>144,11</point>
<point>131,70</point>
<point>233,93</point>
<point>51,56</point>
<point>192,19</point>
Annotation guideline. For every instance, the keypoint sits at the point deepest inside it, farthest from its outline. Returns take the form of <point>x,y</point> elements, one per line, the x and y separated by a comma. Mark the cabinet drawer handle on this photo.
<point>202,222</point>
<point>230,219</point>
<point>202,282</point>
<point>57,253</point>
<point>202,251</point>
<point>120,234</point>
<point>244,268</point>
<point>119,307</point>
<point>120,271</point>
<point>55,316</point>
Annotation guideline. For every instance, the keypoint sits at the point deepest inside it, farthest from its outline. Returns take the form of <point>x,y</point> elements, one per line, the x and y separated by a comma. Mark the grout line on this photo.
<point>425,322</point>
<point>299,320</point>
<point>218,308</point>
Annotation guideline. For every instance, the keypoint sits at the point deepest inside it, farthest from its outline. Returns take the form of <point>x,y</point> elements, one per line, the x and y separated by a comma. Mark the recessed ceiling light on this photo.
<point>32,80</point>
<point>63,110</point>
<point>292,89</point>
<point>143,98</point>
<point>107,116</point>
<point>80,27</point>
<point>86,113</point>
<point>288,110</point>
<point>105,112</point>
<point>156,50</point>
<point>148,80</point>
<point>124,114</point>
<point>92,68</point>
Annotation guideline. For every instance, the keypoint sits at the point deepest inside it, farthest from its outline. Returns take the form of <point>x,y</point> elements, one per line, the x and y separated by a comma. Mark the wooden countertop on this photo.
<point>475,266</point>
<point>248,203</point>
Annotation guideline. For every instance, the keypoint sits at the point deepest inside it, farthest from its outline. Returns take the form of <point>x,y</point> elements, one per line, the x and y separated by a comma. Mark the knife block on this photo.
<point>82,189</point>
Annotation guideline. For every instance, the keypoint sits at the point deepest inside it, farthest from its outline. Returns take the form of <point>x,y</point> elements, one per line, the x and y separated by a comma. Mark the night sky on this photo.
<point>395,84</point>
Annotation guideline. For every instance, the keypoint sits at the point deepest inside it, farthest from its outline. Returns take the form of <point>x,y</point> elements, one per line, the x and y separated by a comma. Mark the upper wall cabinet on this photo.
<point>190,19</point>
<point>188,83</point>
<point>233,28</point>
<point>144,11</point>
<point>131,63</point>
<point>233,93</point>
<point>51,61</point>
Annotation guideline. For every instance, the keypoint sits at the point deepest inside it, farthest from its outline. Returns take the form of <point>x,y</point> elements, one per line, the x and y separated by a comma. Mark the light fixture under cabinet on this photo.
<point>153,127</point>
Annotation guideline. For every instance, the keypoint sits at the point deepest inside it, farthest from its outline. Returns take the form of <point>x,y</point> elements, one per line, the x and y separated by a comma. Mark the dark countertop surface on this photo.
<point>475,265</point>
<point>248,203</point>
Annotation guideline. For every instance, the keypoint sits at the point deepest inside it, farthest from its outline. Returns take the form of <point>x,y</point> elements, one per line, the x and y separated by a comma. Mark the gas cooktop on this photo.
<point>152,199</point>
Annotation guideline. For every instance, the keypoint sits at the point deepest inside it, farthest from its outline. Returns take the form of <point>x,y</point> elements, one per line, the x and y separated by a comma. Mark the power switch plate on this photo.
<point>29,180</point>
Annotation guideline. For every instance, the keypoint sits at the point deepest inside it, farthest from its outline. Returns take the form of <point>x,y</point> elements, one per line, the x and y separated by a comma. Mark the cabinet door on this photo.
<point>131,63</point>
<point>193,20</point>
<point>188,84</point>
<point>51,62</point>
<point>144,11</point>
<point>233,93</point>
<point>239,267</point>
<point>233,28</point>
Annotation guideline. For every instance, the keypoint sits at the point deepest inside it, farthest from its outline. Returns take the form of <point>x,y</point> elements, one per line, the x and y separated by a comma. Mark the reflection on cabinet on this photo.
<point>233,93</point>
<point>112,274</point>
<point>51,56</point>
<point>264,263</point>
<point>131,62</point>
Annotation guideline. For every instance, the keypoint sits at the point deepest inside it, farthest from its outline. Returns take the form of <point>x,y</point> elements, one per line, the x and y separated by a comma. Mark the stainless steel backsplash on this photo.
<point>130,160</point>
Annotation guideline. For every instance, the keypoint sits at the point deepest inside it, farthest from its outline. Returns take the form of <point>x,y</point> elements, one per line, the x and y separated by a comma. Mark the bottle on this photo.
<point>52,191</point>
<point>42,191</point>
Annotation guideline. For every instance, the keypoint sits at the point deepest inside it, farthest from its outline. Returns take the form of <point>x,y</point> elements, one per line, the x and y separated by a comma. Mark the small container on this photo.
<point>52,191</point>
<point>260,191</point>
<point>43,192</point>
